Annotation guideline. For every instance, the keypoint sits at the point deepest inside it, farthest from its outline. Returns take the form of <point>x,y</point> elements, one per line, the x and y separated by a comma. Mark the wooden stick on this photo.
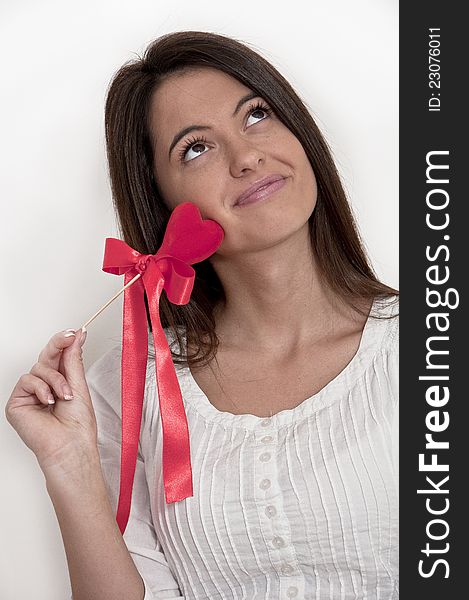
<point>109,301</point>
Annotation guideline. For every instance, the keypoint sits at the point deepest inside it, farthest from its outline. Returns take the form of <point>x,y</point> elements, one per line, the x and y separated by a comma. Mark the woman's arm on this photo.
<point>65,441</point>
<point>99,564</point>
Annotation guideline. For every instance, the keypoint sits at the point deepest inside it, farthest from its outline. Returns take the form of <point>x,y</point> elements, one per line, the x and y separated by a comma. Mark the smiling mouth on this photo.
<point>262,192</point>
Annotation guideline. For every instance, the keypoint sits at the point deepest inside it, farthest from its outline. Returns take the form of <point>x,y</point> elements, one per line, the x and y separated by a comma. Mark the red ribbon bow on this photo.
<point>187,240</point>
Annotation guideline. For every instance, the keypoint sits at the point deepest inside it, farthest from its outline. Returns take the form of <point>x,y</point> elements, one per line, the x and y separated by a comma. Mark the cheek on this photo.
<point>197,187</point>
<point>202,189</point>
<point>173,190</point>
<point>292,149</point>
<point>310,179</point>
<point>201,183</point>
<point>305,171</point>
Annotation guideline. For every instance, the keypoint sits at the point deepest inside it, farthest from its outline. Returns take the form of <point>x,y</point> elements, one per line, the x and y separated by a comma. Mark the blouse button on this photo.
<point>265,457</point>
<point>265,423</point>
<point>266,439</point>
<point>270,511</point>
<point>278,542</point>
<point>286,569</point>
<point>265,484</point>
<point>292,591</point>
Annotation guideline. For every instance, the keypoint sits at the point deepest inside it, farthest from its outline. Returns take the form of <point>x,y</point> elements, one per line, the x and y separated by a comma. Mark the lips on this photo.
<point>258,185</point>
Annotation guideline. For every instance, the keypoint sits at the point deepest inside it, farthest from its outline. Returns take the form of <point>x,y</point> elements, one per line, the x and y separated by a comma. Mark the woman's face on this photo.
<point>233,144</point>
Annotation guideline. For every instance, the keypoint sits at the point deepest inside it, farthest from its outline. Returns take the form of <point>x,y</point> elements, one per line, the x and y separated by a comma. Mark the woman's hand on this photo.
<point>57,433</point>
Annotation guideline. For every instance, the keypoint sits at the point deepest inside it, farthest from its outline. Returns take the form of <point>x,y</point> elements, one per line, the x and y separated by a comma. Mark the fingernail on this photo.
<point>83,335</point>
<point>68,334</point>
<point>67,392</point>
<point>50,400</point>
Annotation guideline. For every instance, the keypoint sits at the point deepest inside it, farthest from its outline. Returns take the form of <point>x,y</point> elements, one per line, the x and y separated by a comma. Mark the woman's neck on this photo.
<point>276,300</point>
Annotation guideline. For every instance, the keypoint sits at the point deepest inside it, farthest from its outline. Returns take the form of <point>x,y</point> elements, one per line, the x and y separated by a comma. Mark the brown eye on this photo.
<point>259,108</point>
<point>191,145</point>
<point>194,148</point>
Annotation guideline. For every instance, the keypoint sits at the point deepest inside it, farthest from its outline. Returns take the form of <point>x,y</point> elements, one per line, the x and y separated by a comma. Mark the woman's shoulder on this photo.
<point>386,312</point>
<point>386,359</point>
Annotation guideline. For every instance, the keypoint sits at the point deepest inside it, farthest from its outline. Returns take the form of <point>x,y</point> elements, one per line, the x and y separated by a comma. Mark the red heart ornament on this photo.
<point>189,237</point>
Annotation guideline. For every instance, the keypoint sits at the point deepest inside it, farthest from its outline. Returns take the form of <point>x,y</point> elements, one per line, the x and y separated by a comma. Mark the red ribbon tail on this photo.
<point>177,470</point>
<point>133,375</point>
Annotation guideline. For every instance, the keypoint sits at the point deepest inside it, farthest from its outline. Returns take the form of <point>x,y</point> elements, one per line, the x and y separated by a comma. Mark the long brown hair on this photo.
<point>143,215</point>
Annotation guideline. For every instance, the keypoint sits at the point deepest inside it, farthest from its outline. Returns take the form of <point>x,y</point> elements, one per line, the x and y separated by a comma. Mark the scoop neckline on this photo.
<point>372,334</point>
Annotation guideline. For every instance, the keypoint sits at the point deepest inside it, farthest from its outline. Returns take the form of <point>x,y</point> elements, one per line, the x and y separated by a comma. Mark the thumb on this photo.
<point>74,369</point>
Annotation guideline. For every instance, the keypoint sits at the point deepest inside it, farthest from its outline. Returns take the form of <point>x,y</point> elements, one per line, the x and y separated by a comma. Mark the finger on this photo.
<point>52,351</point>
<point>54,379</point>
<point>74,369</point>
<point>32,388</point>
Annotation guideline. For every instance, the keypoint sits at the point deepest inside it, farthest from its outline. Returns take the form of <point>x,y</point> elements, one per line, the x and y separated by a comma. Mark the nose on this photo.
<point>245,156</point>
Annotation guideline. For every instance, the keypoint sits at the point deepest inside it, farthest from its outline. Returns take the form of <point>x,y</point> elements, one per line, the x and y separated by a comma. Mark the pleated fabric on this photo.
<point>303,504</point>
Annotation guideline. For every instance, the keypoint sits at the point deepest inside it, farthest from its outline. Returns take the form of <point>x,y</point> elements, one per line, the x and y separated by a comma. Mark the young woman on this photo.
<point>287,356</point>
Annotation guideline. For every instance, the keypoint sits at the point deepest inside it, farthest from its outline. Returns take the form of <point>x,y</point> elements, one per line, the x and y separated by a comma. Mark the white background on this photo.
<point>57,59</point>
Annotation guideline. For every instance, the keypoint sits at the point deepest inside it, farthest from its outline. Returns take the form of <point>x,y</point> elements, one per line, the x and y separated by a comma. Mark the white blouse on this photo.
<point>300,505</point>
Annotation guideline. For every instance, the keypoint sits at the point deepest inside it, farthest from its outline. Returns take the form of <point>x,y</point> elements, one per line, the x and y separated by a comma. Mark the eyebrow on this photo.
<point>190,128</point>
